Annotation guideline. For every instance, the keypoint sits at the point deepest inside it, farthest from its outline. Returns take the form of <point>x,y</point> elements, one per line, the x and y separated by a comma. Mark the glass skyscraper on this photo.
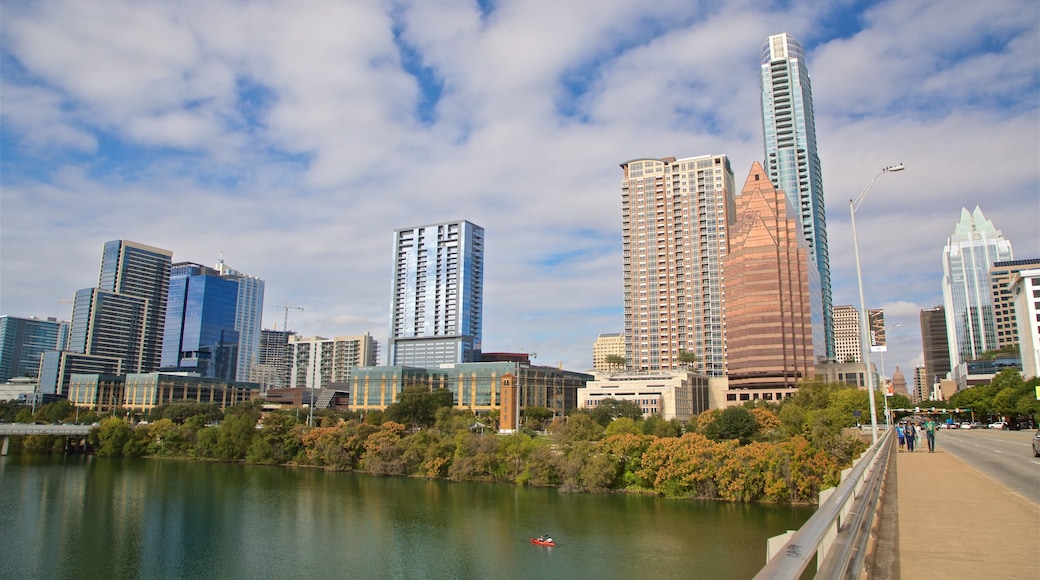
<point>967,293</point>
<point>791,159</point>
<point>438,295</point>
<point>248,317</point>
<point>23,340</point>
<point>200,334</point>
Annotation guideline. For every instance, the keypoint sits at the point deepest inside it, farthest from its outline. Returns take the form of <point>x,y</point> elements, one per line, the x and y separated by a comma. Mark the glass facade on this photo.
<point>975,246</point>
<point>437,309</point>
<point>248,317</point>
<point>791,159</point>
<point>24,340</point>
<point>199,334</point>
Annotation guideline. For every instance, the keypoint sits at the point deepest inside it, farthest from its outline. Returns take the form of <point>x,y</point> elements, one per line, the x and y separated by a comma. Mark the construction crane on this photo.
<point>287,307</point>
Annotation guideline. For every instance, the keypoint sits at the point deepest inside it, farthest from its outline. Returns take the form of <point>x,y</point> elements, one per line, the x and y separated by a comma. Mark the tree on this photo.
<point>610,409</point>
<point>417,406</point>
<point>615,361</point>
<point>687,359</point>
<point>622,426</point>
<point>538,415</point>
<point>110,436</point>
<point>734,423</point>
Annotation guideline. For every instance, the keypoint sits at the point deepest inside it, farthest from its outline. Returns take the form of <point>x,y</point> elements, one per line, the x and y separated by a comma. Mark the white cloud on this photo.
<point>289,136</point>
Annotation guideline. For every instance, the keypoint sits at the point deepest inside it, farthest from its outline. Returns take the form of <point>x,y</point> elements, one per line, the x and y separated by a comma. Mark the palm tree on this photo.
<point>687,359</point>
<point>616,362</point>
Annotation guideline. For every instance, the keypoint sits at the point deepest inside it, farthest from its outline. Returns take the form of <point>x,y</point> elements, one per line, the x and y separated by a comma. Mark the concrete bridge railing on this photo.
<point>839,534</point>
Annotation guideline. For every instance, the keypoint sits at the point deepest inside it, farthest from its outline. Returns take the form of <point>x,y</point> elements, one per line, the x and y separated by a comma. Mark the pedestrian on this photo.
<point>911,436</point>
<point>929,433</point>
<point>902,436</point>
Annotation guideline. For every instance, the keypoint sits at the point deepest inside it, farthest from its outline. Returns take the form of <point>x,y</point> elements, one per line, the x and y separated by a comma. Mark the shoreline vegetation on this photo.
<point>767,453</point>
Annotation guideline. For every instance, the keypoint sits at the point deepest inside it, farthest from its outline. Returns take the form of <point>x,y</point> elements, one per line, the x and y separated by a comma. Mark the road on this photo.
<point>1005,456</point>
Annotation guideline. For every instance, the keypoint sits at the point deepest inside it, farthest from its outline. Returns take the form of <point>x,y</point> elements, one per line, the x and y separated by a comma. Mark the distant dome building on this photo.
<point>899,383</point>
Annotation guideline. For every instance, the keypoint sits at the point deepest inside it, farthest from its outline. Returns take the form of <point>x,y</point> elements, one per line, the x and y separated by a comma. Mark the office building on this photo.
<point>199,335</point>
<point>975,246</point>
<point>1001,276</point>
<point>676,216</point>
<point>669,394</point>
<point>438,295</point>
<point>922,385</point>
<point>770,287</point>
<point>318,362</point>
<point>477,387</point>
<point>847,339</point>
<point>935,345</point>
<point>791,158</point>
<point>23,340</point>
<point>104,392</point>
<point>608,345</point>
<point>1025,293</point>
<point>249,314</point>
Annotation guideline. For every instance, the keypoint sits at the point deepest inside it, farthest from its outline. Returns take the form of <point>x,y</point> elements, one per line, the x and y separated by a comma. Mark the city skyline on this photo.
<point>143,123</point>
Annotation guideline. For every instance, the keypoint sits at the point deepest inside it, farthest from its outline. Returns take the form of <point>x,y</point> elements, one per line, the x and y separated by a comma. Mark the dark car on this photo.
<point>1036,444</point>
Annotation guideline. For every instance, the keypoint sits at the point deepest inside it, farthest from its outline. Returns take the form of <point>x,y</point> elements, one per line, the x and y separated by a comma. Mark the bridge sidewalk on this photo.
<point>952,521</point>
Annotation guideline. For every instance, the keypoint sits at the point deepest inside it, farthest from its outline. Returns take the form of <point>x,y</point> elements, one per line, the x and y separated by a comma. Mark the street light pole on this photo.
<point>864,342</point>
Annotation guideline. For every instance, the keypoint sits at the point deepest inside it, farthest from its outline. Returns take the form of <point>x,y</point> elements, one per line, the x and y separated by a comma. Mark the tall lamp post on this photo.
<point>864,342</point>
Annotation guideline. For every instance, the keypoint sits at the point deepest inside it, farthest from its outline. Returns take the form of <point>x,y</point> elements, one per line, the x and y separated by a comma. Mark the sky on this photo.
<point>293,137</point>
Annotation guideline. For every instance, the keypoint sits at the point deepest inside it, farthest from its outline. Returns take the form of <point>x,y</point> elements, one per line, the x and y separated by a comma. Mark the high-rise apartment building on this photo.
<point>1001,276</point>
<point>120,323</point>
<point>847,339</point>
<point>438,295</point>
<point>199,335</point>
<point>770,286</point>
<point>23,340</point>
<point>318,362</point>
<point>935,345</point>
<point>607,345</point>
<point>791,158</point>
<point>133,269</point>
<point>248,317</point>
<point>273,362</point>
<point>967,289</point>
<point>676,215</point>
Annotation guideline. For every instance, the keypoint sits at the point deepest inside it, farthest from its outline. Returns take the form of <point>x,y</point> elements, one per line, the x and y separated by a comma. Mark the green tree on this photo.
<point>537,416</point>
<point>734,423</point>
<point>417,406</point>
<point>688,359</point>
<point>576,427</point>
<point>610,409</point>
<point>615,361</point>
<point>622,426</point>
<point>234,436</point>
<point>110,436</point>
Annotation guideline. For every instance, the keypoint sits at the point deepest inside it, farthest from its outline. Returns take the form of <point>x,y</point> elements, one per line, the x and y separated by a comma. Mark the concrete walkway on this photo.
<point>953,521</point>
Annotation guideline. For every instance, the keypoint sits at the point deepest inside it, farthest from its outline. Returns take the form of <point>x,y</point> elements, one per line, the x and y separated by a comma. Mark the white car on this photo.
<point>1002,425</point>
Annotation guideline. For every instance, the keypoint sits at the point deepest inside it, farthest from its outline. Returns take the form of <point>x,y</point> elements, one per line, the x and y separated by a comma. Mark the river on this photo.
<point>89,517</point>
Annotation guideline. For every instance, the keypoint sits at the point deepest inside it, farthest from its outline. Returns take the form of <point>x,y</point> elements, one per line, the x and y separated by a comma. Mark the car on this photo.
<point>1036,444</point>
<point>1002,425</point>
<point>966,425</point>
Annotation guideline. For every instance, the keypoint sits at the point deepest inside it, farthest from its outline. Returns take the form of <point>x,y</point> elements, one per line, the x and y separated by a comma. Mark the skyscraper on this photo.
<point>967,293</point>
<point>199,334</point>
<point>318,362</point>
<point>1001,275</point>
<point>769,290</point>
<point>791,159</point>
<point>607,345</point>
<point>118,326</point>
<point>273,362</point>
<point>133,269</point>
<point>675,216</point>
<point>846,335</point>
<point>935,345</point>
<point>248,317</point>
<point>438,294</point>
<point>23,340</point>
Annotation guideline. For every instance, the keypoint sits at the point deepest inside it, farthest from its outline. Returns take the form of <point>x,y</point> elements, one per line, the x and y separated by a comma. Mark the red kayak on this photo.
<point>541,542</point>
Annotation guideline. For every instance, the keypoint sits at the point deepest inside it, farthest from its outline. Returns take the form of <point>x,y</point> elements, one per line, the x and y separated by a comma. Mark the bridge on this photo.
<point>917,515</point>
<point>9,429</point>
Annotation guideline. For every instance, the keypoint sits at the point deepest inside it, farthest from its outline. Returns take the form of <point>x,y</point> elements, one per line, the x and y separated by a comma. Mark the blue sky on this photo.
<point>294,137</point>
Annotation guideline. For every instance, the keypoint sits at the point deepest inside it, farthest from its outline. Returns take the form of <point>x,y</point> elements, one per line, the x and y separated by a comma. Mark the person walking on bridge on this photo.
<point>929,432</point>
<point>911,436</point>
